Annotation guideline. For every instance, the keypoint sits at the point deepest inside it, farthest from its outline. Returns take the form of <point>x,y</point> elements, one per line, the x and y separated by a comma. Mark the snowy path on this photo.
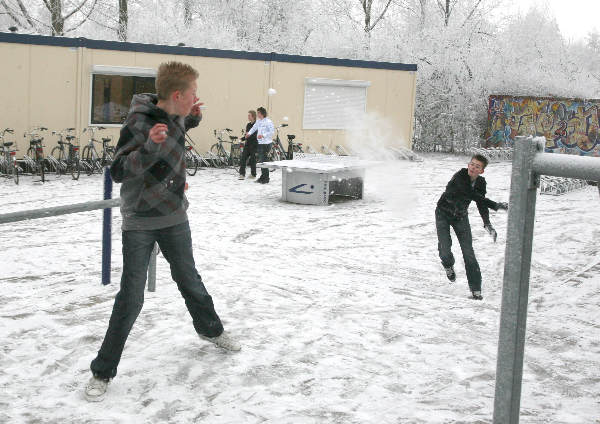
<point>344,312</point>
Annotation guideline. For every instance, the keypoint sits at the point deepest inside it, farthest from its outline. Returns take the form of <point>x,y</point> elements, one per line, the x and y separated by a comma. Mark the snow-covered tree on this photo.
<point>58,17</point>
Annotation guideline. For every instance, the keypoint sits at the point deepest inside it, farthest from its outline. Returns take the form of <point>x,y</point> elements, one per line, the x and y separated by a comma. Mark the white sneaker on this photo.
<point>96,389</point>
<point>241,177</point>
<point>224,341</point>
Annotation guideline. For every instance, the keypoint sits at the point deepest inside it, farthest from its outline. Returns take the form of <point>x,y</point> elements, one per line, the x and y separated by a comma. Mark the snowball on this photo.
<point>272,91</point>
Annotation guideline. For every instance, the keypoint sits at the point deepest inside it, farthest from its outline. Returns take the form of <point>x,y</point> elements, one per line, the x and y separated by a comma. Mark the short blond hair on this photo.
<point>173,76</point>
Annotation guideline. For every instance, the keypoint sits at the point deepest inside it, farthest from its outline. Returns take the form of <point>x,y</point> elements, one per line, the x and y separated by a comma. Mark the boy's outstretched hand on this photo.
<point>502,206</point>
<point>492,232</point>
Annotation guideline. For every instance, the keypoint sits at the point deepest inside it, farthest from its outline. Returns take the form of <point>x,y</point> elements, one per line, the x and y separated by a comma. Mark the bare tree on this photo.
<point>123,20</point>
<point>187,12</point>
<point>58,15</point>
<point>371,18</point>
<point>446,7</point>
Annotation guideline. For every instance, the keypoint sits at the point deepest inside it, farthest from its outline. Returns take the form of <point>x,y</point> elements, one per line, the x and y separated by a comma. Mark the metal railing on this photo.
<point>529,164</point>
<point>107,204</point>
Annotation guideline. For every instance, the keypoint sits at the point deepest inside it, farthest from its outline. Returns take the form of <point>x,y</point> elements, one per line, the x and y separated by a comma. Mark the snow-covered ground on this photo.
<point>344,311</point>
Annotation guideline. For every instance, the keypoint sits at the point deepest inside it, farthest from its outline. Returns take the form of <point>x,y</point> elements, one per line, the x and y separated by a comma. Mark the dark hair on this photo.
<point>262,111</point>
<point>481,159</point>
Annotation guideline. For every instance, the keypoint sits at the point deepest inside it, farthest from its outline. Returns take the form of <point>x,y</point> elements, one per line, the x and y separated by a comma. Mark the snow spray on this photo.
<point>368,136</point>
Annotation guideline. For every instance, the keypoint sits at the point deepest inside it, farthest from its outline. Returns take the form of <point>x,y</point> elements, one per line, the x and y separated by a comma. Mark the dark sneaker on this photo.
<point>476,295</point>
<point>450,273</point>
<point>96,389</point>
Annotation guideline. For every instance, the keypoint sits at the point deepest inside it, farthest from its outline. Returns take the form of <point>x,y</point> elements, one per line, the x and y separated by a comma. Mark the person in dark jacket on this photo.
<point>452,211</point>
<point>150,164</point>
<point>249,153</point>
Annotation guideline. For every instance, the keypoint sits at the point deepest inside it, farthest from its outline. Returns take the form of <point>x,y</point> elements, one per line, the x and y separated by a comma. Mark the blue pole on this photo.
<point>106,229</point>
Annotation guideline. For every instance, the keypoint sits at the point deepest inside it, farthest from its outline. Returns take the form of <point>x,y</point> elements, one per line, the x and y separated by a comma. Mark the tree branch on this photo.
<point>471,14</point>
<point>25,13</point>
<point>380,16</point>
<point>84,19</point>
<point>78,9</point>
<point>10,13</point>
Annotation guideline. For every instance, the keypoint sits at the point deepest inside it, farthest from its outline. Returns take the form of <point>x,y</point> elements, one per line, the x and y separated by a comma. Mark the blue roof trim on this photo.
<point>43,40</point>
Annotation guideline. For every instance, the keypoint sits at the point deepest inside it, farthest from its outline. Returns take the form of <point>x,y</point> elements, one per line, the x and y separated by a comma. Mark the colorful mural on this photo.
<point>570,125</point>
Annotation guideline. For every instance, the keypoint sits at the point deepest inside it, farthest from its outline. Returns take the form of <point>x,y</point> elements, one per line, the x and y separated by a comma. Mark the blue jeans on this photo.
<point>176,245</point>
<point>263,152</point>
<point>462,229</point>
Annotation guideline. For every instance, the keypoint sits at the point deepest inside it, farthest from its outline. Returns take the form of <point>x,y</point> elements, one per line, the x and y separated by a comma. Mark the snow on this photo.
<point>318,162</point>
<point>344,312</point>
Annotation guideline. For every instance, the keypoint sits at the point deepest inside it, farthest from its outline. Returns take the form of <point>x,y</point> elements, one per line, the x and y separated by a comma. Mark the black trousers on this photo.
<point>263,153</point>
<point>249,155</point>
<point>176,245</point>
<point>462,229</point>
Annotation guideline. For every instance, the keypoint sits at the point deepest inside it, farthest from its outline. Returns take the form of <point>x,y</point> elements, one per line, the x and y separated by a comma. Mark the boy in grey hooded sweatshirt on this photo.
<point>150,166</point>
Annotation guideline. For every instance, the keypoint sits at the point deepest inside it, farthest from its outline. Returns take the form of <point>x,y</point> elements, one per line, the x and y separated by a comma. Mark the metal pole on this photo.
<point>511,345</point>
<point>567,166</point>
<point>58,210</point>
<point>152,269</point>
<point>106,229</point>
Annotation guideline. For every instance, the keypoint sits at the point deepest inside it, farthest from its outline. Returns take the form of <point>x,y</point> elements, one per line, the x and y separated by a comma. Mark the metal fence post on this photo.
<point>521,214</point>
<point>152,269</point>
<point>106,229</point>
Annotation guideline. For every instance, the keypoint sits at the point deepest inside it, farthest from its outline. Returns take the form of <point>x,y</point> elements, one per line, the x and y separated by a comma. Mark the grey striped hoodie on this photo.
<point>152,175</point>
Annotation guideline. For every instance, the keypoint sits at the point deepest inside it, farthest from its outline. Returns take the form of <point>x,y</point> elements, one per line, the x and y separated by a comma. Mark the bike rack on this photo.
<point>494,153</point>
<point>556,185</point>
<point>529,163</point>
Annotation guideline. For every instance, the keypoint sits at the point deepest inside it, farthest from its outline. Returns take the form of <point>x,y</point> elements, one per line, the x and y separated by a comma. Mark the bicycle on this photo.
<point>35,153</point>
<point>8,158</point>
<point>66,161</point>
<point>192,157</point>
<point>293,147</point>
<point>277,151</point>
<point>90,158</point>
<point>233,157</point>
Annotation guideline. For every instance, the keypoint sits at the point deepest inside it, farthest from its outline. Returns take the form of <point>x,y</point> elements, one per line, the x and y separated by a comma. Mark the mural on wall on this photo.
<point>569,125</point>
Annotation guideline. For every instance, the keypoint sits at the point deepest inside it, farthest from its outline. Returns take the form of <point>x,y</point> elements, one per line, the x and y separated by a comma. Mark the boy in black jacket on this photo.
<point>452,211</point>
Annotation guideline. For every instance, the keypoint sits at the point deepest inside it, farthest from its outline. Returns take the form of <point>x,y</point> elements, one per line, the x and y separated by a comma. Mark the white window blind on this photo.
<point>332,103</point>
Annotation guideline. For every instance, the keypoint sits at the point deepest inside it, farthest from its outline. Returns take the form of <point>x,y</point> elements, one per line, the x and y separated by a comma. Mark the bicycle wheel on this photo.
<point>15,173</point>
<point>75,169</point>
<point>59,154</point>
<point>40,165</point>
<point>88,158</point>
<point>216,150</point>
<point>191,164</point>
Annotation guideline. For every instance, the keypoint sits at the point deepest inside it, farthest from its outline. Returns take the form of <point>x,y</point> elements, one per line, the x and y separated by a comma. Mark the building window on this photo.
<point>331,104</point>
<point>113,89</point>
